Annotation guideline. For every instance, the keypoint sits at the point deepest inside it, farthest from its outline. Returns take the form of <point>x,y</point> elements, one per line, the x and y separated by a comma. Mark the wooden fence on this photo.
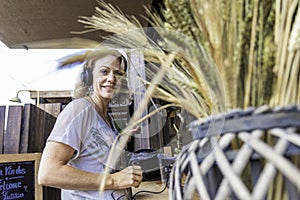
<point>24,129</point>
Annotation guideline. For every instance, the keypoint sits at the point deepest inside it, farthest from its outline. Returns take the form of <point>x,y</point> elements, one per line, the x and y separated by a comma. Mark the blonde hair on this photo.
<point>82,89</point>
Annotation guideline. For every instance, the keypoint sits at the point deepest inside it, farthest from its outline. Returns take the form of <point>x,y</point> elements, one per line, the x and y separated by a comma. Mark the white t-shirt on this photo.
<point>82,128</point>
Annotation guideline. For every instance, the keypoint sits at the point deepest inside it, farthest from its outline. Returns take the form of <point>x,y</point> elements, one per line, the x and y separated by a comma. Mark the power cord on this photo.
<point>142,191</point>
<point>151,192</point>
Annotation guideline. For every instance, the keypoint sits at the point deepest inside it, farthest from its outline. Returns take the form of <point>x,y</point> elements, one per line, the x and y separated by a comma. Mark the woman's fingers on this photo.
<point>131,176</point>
<point>137,170</point>
<point>137,175</point>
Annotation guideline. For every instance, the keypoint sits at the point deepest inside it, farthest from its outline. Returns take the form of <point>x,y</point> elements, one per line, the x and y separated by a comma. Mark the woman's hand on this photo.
<point>129,177</point>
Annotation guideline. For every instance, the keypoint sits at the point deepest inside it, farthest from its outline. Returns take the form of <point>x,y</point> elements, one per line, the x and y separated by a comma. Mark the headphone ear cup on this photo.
<point>87,76</point>
<point>125,63</point>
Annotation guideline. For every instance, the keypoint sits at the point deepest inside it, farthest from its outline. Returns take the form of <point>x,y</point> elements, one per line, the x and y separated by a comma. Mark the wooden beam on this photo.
<point>13,132</point>
<point>51,94</point>
<point>2,127</point>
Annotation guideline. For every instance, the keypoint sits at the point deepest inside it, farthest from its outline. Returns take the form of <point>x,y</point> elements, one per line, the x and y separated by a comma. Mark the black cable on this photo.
<point>151,192</point>
<point>112,195</point>
<point>142,191</point>
<point>121,197</point>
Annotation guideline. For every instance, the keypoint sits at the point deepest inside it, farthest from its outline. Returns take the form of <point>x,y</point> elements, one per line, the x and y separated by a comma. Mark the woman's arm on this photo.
<point>55,172</point>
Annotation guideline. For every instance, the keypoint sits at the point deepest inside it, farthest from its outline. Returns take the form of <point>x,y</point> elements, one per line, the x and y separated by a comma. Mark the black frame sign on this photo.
<point>18,176</point>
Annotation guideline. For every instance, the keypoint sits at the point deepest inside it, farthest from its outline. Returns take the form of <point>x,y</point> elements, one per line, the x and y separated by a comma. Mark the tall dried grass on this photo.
<point>236,53</point>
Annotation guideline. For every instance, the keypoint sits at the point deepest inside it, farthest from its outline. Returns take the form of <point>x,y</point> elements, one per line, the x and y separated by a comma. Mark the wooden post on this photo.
<point>14,125</point>
<point>2,125</point>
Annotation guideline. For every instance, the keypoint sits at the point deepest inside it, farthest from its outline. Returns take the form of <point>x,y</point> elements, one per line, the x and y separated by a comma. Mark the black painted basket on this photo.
<point>243,154</point>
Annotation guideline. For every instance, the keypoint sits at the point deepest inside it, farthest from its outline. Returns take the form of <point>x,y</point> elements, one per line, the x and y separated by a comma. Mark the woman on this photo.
<point>77,149</point>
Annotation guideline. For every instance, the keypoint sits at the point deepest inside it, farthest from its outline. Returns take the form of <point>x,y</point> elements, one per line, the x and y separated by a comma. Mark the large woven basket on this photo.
<point>255,155</point>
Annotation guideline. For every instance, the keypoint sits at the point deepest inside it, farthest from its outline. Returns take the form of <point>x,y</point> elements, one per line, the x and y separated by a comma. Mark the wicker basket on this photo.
<point>254,156</point>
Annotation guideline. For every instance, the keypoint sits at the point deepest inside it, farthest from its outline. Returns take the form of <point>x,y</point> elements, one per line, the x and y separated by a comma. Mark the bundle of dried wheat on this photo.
<point>210,53</point>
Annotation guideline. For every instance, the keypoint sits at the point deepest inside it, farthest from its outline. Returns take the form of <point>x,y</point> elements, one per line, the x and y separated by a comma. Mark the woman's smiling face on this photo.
<point>107,75</point>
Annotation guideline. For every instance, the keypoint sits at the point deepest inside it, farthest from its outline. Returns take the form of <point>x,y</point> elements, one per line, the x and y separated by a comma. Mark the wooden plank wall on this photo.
<point>12,136</point>
<point>2,124</point>
<point>25,130</point>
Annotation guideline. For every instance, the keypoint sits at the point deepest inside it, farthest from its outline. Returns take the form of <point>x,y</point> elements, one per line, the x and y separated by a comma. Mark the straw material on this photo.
<point>226,55</point>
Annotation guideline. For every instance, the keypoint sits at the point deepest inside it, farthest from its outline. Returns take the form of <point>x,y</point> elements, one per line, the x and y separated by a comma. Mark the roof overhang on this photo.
<point>43,24</point>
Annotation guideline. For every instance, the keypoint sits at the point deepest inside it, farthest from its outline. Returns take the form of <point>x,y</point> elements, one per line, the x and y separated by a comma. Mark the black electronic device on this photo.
<point>155,166</point>
<point>149,163</point>
<point>87,76</point>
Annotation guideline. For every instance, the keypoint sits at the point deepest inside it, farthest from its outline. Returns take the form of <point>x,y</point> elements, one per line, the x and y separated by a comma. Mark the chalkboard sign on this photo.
<point>18,177</point>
